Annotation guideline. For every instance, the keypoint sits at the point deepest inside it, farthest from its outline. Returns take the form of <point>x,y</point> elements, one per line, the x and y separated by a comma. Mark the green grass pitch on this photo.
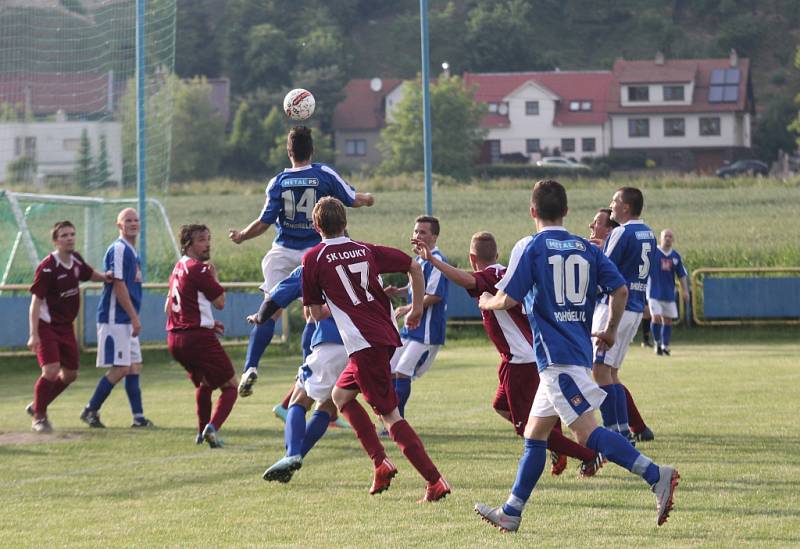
<point>723,408</point>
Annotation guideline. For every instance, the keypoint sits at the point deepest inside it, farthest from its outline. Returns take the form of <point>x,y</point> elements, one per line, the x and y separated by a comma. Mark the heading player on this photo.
<point>511,334</point>
<point>667,264</point>
<point>55,301</point>
<point>421,344</point>
<point>291,196</point>
<point>630,248</point>
<point>192,331</point>
<point>118,324</point>
<point>345,276</point>
<point>555,274</point>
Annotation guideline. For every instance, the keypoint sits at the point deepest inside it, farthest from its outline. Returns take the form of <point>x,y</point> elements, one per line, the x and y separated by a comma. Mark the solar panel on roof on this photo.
<point>730,93</point>
<point>731,76</point>
<point>718,76</point>
<point>715,94</point>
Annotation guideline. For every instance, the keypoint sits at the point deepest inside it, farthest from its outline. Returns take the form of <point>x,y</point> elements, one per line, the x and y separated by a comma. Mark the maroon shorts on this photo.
<point>57,345</point>
<point>202,356</point>
<point>515,391</point>
<point>368,370</point>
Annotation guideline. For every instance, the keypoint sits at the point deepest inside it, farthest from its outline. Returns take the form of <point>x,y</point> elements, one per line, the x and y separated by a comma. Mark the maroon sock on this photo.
<point>560,444</point>
<point>406,438</point>
<point>225,404</point>
<point>203,397</point>
<point>288,398</point>
<point>635,421</point>
<point>359,420</point>
<point>56,388</point>
<point>41,390</point>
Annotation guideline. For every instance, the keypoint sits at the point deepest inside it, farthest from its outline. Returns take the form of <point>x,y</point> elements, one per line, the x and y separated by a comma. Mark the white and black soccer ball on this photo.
<point>299,104</point>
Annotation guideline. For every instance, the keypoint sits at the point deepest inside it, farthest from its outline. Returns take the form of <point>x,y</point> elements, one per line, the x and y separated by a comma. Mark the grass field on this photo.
<point>723,408</point>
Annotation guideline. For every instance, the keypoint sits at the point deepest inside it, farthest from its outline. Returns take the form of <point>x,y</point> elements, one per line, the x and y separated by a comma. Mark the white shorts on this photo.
<point>321,370</point>
<point>414,358</point>
<point>628,325</point>
<point>277,265</point>
<point>567,392</point>
<point>116,346</point>
<point>667,309</point>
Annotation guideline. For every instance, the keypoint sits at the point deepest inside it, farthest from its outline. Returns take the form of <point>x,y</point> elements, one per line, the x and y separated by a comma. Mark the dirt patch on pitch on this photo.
<point>36,438</point>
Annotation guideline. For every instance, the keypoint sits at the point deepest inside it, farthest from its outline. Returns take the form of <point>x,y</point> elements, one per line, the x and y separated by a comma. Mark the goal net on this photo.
<point>68,91</point>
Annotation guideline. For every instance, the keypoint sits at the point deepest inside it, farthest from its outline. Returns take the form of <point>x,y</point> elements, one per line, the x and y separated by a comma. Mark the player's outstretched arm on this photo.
<point>319,312</point>
<point>501,301</point>
<point>254,229</point>
<point>616,306</point>
<point>267,310</point>
<point>417,295</point>
<point>460,277</point>
<point>363,199</point>
<point>107,277</point>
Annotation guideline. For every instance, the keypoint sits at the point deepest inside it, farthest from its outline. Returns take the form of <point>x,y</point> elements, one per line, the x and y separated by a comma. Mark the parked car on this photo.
<point>561,163</point>
<point>743,167</point>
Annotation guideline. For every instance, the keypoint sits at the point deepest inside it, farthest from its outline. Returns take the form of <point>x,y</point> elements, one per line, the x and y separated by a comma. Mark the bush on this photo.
<point>21,170</point>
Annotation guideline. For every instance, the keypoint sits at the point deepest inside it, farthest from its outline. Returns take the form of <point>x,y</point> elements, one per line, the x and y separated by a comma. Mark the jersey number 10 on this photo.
<point>570,278</point>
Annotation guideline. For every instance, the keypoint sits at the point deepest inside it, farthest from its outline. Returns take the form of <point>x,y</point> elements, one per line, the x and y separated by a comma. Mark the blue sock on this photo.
<point>305,340</point>
<point>622,410</point>
<point>608,409</point>
<point>295,429</point>
<point>531,465</point>
<point>618,450</point>
<point>314,430</point>
<point>101,393</point>
<point>260,336</point>
<point>134,394</point>
<point>656,329</point>
<point>666,334</point>
<point>402,386</point>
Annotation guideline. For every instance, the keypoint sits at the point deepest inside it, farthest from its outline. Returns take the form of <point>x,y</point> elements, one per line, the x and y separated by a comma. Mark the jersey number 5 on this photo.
<point>570,278</point>
<point>644,268</point>
<point>304,205</point>
<point>361,268</point>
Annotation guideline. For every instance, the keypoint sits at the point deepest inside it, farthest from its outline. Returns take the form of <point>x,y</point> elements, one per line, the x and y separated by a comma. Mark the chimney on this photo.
<point>733,58</point>
<point>659,58</point>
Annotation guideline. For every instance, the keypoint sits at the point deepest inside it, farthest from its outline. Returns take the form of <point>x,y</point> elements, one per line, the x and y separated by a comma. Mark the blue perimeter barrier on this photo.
<point>748,297</point>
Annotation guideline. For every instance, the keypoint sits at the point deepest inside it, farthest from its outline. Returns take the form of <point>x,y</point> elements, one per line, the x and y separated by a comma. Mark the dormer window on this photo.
<point>638,93</point>
<point>576,106</point>
<point>673,93</point>
<point>498,108</point>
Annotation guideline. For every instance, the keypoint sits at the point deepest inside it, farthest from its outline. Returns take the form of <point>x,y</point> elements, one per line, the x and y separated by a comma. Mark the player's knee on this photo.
<point>505,414</point>
<point>68,376</point>
<point>50,372</point>
<point>328,407</point>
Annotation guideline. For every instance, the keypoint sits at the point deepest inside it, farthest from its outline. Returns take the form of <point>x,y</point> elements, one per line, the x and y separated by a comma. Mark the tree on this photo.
<point>102,173</point>
<point>456,133</point>
<point>795,125</point>
<point>196,53</point>
<point>274,129</point>
<point>198,132</point>
<point>83,164</point>
<point>268,58</point>
<point>246,143</point>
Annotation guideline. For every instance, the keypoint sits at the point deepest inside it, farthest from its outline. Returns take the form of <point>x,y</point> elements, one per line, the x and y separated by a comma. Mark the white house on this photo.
<point>682,113</point>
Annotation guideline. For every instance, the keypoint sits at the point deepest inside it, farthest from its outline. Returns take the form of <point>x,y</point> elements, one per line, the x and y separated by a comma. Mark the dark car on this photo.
<point>743,167</point>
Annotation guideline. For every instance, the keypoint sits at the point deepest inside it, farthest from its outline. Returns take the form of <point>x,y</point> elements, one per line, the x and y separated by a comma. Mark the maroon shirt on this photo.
<point>509,330</point>
<point>192,288</point>
<point>345,275</point>
<point>56,283</point>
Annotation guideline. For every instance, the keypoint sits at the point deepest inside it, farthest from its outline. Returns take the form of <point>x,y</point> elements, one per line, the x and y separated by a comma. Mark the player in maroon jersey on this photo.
<point>511,334</point>
<point>345,276</point>
<point>192,331</point>
<point>55,302</point>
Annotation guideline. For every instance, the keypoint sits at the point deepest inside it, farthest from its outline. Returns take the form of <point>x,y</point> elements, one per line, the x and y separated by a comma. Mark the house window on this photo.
<point>710,126</point>
<point>638,127</point>
<point>494,150</point>
<point>532,108</point>
<point>532,145</point>
<point>355,147</point>
<point>498,108</point>
<point>568,145</point>
<point>673,93</point>
<point>674,127</point>
<point>574,106</point>
<point>72,144</point>
<point>25,146</point>
<point>493,108</point>
<point>638,93</point>
<point>586,106</point>
<point>588,144</point>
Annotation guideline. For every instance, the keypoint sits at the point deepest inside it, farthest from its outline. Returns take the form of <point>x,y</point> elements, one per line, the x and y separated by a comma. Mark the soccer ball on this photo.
<point>299,104</point>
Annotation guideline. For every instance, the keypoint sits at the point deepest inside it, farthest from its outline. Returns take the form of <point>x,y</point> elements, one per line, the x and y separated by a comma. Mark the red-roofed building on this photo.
<point>690,114</point>
<point>359,119</point>
<point>535,114</point>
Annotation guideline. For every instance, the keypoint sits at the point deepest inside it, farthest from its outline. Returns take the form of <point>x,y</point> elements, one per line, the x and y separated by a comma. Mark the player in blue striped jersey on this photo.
<point>667,264</point>
<point>118,324</point>
<point>291,197</point>
<point>556,275</point>
<point>315,379</point>
<point>422,344</point>
<point>630,247</point>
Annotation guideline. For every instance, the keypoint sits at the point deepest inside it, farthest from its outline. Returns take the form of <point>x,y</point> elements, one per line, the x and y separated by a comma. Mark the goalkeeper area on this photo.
<point>119,487</point>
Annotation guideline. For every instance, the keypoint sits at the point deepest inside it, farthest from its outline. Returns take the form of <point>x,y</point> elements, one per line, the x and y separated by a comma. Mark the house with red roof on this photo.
<point>535,114</point>
<point>688,114</point>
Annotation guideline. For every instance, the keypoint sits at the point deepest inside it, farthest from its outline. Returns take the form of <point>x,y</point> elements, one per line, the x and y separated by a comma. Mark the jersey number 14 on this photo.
<point>305,204</point>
